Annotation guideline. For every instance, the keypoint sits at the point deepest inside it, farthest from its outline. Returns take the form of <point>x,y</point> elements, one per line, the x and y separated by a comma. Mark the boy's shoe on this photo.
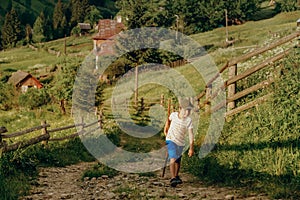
<point>178,180</point>
<point>173,182</point>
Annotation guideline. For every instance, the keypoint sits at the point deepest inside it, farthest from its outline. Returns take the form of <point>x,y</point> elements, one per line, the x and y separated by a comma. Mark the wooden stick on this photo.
<point>166,128</point>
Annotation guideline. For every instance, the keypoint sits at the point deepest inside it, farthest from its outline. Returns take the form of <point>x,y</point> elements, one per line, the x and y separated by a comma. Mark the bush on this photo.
<point>7,96</point>
<point>286,5</point>
<point>34,98</point>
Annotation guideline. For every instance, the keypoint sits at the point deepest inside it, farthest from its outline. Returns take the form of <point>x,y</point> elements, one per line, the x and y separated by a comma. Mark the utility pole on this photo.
<point>226,24</point>
<point>177,20</point>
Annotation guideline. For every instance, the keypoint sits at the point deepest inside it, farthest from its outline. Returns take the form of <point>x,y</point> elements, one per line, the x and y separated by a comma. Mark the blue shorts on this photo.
<point>174,150</point>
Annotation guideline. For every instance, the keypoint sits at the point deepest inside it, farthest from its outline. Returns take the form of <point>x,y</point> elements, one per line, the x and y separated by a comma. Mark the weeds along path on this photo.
<point>66,183</point>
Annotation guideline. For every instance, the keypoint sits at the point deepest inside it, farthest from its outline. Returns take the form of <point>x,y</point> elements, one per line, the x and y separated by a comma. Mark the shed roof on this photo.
<point>84,26</point>
<point>108,28</point>
<point>18,77</point>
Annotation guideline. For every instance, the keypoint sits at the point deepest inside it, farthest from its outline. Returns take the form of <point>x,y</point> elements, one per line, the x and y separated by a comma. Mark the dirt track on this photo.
<point>66,183</point>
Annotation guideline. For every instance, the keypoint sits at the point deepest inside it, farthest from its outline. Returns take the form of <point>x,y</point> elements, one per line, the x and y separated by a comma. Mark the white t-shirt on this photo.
<point>178,129</point>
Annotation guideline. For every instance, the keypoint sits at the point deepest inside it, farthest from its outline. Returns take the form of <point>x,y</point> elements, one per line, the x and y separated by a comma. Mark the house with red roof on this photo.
<point>23,80</point>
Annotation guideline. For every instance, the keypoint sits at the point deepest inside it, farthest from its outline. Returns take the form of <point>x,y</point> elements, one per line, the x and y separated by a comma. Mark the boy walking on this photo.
<point>180,124</point>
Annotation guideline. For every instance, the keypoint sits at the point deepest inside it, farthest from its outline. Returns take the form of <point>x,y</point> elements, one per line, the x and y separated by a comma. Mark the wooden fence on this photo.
<point>45,136</point>
<point>206,96</point>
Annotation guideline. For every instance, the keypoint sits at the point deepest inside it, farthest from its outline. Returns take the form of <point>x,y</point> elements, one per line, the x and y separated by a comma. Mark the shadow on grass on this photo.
<point>210,171</point>
<point>290,143</point>
<point>264,13</point>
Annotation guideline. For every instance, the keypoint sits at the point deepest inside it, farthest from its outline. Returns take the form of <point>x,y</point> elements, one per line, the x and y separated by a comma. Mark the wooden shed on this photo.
<point>84,28</point>
<point>23,80</point>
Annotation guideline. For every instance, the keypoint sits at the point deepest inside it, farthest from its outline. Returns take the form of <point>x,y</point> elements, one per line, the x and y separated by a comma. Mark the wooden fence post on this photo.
<point>162,100</point>
<point>2,130</point>
<point>100,119</point>
<point>45,132</point>
<point>142,104</point>
<point>232,72</point>
<point>82,124</point>
<point>208,98</point>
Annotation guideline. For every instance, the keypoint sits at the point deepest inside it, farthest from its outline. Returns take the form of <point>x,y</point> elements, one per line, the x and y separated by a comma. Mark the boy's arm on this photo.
<point>167,126</point>
<point>191,140</point>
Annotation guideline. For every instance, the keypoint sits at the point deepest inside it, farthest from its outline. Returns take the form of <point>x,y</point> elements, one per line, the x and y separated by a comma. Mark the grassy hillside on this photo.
<point>258,149</point>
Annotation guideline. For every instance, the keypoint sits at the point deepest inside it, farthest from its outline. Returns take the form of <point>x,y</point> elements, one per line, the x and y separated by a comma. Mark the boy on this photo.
<point>180,123</point>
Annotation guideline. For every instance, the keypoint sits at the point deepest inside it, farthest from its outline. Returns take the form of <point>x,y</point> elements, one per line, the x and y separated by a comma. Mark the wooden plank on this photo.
<point>202,94</point>
<point>264,49</point>
<point>92,124</point>
<point>65,127</point>
<point>16,134</point>
<point>219,106</point>
<point>254,53</point>
<point>67,136</point>
<point>247,91</point>
<point>232,72</point>
<point>24,144</point>
<point>257,68</point>
<point>248,105</point>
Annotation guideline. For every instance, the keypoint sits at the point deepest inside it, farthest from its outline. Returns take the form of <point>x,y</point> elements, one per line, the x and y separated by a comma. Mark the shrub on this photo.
<point>7,96</point>
<point>286,5</point>
<point>34,98</point>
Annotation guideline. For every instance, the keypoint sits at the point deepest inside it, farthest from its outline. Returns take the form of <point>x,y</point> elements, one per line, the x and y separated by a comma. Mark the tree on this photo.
<point>286,5</point>
<point>63,84</point>
<point>141,13</point>
<point>94,15</point>
<point>12,30</point>
<point>239,10</point>
<point>79,9</point>
<point>58,15</point>
<point>28,31</point>
<point>39,29</point>
<point>59,20</point>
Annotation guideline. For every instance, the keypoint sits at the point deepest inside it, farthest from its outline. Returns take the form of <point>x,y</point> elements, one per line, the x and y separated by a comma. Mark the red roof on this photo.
<point>108,28</point>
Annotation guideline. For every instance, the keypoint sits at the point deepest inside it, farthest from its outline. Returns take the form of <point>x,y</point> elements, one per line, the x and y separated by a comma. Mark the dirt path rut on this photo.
<point>66,183</point>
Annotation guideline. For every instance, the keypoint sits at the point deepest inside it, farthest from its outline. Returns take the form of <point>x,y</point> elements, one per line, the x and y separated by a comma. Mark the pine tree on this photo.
<point>28,31</point>
<point>48,29</point>
<point>12,29</point>
<point>94,15</point>
<point>241,9</point>
<point>39,29</point>
<point>60,23</point>
<point>79,9</point>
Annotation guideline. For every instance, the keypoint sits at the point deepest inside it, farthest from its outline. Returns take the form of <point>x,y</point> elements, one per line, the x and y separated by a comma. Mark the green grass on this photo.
<point>252,151</point>
<point>259,148</point>
<point>98,170</point>
<point>248,34</point>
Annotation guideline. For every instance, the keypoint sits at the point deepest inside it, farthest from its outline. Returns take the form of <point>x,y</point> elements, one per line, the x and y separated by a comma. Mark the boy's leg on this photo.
<point>177,166</point>
<point>173,156</point>
<point>173,167</point>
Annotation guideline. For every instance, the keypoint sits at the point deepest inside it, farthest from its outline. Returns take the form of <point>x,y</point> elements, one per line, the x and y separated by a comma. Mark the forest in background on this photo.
<point>27,21</point>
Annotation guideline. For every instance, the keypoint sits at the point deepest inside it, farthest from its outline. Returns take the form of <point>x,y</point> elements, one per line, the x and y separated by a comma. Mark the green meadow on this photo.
<point>258,149</point>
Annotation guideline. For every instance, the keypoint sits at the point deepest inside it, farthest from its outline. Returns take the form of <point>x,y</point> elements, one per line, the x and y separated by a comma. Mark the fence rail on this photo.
<point>45,135</point>
<point>205,97</point>
<point>145,104</point>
